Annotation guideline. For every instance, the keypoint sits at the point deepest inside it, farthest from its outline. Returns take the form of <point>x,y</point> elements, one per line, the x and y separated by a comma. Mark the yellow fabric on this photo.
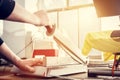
<point>108,56</point>
<point>101,41</point>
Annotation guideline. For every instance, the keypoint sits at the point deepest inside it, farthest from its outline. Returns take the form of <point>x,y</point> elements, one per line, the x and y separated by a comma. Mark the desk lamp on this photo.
<point>106,8</point>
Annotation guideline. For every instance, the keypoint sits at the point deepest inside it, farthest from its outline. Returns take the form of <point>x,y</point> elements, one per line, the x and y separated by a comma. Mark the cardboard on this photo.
<point>70,47</point>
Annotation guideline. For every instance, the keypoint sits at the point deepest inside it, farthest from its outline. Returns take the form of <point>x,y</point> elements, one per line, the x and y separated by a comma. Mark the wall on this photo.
<point>14,35</point>
<point>110,23</point>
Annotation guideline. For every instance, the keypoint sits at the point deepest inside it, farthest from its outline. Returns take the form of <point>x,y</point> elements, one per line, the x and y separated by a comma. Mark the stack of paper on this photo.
<point>52,70</point>
<point>57,61</point>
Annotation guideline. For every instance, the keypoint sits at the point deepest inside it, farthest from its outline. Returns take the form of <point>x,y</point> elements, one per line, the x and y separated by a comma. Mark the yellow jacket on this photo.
<point>101,41</point>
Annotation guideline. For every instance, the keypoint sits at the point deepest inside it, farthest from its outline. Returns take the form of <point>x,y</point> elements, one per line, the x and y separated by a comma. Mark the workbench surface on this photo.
<point>6,75</point>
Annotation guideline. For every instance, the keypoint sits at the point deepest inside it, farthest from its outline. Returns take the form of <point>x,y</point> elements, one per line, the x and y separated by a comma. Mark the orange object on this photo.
<point>46,52</point>
<point>50,29</point>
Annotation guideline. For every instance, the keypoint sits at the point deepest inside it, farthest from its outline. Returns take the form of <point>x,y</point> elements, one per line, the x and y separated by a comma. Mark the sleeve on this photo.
<point>1,41</point>
<point>6,8</point>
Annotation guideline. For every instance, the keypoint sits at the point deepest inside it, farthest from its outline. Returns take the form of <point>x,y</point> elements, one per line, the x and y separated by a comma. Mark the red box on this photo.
<point>46,52</point>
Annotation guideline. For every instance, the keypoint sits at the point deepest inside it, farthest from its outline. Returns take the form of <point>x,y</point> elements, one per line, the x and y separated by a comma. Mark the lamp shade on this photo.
<point>106,8</point>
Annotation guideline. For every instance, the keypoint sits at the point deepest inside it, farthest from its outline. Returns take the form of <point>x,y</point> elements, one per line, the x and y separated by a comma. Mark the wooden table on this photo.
<point>23,77</point>
<point>6,75</point>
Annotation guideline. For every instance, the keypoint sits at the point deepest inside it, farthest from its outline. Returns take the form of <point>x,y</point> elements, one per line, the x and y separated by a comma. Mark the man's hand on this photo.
<point>44,21</point>
<point>27,64</point>
<point>43,18</point>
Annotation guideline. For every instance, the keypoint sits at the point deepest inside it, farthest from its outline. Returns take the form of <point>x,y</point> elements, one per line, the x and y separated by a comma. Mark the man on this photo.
<point>10,10</point>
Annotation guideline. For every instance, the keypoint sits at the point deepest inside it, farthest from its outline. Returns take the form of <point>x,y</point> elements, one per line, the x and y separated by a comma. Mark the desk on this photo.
<point>14,77</point>
<point>82,76</point>
<point>6,75</point>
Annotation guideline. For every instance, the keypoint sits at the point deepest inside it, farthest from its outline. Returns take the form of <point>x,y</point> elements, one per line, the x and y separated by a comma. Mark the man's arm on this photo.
<point>12,11</point>
<point>25,65</point>
<point>20,14</point>
<point>8,53</point>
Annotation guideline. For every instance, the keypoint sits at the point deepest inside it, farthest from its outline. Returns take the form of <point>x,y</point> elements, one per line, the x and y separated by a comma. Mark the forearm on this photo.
<point>12,11</point>
<point>20,14</point>
<point>4,50</point>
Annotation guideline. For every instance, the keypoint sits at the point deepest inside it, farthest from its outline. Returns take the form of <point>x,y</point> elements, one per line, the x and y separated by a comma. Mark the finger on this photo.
<point>27,68</point>
<point>36,61</point>
<point>30,69</point>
